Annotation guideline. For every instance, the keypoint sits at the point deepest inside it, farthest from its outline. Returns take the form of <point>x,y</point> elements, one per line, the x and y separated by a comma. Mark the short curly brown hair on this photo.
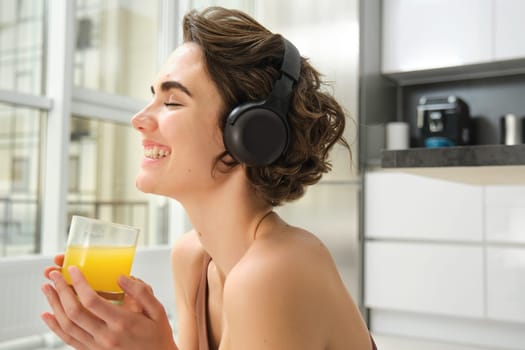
<point>243,60</point>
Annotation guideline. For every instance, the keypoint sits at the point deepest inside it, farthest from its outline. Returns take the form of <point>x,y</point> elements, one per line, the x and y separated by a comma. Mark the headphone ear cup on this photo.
<point>254,135</point>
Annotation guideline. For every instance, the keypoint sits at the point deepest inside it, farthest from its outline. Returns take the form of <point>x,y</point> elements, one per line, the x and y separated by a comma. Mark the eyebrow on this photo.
<point>172,84</point>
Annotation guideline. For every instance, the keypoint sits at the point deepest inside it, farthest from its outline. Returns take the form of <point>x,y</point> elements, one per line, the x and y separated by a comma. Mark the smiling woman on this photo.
<point>244,278</point>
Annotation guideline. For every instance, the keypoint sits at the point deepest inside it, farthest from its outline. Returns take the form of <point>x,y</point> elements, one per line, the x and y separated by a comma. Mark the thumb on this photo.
<point>142,293</point>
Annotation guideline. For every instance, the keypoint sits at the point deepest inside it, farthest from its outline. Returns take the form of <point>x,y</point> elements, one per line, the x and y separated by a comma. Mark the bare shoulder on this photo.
<point>291,258</point>
<point>187,251</point>
<point>287,280</point>
<point>186,260</point>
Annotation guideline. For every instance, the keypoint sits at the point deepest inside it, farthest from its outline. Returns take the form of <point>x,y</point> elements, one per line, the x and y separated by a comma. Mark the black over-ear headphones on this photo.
<point>257,133</point>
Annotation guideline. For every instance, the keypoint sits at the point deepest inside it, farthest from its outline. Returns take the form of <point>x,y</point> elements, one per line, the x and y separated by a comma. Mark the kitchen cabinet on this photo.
<point>505,214</point>
<point>420,35</point>
<point>421,277</point>
<point>434,34</point>
<point>509,27</point>
<point>411,258</point>
<point>506,283</point>
<point>399,205</point>
<point>444,248</point>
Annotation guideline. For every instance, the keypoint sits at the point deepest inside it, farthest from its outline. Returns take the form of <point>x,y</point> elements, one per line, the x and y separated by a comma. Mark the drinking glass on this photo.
<point>102,251</point>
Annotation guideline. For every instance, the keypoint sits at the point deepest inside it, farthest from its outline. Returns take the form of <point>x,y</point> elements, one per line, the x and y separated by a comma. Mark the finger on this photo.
<point>53,325</point>
<point>147,285</point>
<point>143,294</point>
<point>59,323</point>
<point>93,302</point>
<point>59,259</point>
<point>49,269</point>
<point>73,309</point>
<point>132,305</point>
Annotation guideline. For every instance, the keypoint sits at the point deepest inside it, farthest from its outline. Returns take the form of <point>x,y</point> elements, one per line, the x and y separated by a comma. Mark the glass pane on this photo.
<point>104,158</point>
<point>21,45</point>
<point>116,46</point>
<point>21,145</point>
<point>244,5</point>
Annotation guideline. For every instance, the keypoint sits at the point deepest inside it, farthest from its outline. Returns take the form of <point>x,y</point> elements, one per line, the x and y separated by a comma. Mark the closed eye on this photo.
<point>172,104</point>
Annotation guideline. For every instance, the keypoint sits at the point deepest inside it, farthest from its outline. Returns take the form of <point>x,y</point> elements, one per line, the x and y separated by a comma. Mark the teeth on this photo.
<point>155,153</point>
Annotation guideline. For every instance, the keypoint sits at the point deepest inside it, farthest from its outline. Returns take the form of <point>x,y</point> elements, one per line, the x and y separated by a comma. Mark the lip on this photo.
<point>151,144</point>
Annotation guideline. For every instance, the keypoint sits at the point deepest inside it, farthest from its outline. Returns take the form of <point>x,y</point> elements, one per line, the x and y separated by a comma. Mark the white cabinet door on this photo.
<point>505,214</point>
<point>405,206</point>
<point>506,284</point>
<point>435,33</point>
<point>509,27</point>
<point>428,278</point>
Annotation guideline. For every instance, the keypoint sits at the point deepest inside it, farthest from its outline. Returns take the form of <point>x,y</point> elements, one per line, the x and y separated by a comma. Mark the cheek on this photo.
<point>193,134</point>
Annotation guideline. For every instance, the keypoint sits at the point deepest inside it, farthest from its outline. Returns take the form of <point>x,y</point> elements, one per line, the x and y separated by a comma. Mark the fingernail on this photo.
<point>73,271</point>
<point>54,275</point>
<point>123,280</point>
<point>44,289</point>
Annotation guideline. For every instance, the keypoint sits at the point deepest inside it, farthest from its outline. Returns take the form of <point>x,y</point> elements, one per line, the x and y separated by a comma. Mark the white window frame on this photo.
<point>26,100</point>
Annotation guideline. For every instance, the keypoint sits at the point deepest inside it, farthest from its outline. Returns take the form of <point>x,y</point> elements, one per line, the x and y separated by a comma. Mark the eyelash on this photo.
<point>172,104</point>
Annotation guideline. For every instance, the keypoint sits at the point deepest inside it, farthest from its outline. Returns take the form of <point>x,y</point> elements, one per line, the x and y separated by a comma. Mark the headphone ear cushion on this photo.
<point>256,137</point>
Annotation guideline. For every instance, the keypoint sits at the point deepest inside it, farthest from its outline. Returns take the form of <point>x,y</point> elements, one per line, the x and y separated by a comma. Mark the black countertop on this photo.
<point>461,156</point>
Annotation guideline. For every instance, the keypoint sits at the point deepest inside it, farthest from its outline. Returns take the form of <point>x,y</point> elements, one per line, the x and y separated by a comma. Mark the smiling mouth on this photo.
<point>156,152</point>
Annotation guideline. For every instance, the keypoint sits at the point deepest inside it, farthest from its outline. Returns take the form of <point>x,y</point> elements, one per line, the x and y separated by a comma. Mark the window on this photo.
<point>21,145</point>
<point>243,5</point>
<point>116,46</point>
<point>21,50</point>
<point>115,52</point>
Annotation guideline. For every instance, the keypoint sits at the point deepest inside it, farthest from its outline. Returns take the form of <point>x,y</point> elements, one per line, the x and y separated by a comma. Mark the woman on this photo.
<point>244,278</point>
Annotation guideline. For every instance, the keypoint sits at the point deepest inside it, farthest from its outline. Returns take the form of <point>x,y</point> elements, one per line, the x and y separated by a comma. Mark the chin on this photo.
<point>144,184</point>
<point>147,184</point>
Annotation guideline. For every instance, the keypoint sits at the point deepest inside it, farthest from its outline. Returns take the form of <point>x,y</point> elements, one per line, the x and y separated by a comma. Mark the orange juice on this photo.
<point>101,266</point>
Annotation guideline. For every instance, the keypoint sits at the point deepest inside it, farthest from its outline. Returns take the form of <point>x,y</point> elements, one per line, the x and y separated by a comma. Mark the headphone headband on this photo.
<point>291,65</point>
<point>279,99</point>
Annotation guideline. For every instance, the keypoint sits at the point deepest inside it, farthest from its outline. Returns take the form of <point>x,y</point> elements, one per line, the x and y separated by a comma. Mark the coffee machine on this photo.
<point>444,121</point>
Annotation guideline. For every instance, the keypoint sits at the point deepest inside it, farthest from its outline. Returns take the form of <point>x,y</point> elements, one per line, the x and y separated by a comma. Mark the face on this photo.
<point>181,137</point>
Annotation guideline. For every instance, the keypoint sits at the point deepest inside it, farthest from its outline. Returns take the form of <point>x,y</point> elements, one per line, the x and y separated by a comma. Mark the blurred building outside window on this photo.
<point>21,152</point>
<point>21,138</point>
<point>116,46</point>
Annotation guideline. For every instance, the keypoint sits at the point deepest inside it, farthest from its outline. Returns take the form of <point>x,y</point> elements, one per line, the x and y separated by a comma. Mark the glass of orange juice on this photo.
<point>102,251</point>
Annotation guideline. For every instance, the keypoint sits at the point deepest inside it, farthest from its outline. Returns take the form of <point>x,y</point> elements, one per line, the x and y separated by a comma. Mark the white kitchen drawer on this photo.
<point>428,278</point>
<point>506,284</point>
<point>505,214</point>
<point>399,205</point>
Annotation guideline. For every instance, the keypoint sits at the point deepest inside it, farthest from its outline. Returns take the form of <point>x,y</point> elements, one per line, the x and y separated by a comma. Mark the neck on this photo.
<point>227,220</point>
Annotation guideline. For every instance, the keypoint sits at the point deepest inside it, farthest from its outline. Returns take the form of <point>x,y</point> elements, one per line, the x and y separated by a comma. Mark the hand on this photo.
<point>87,321</point>
<point>59,261</point>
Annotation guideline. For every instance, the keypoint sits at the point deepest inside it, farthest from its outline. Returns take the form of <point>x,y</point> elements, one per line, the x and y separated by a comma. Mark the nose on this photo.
<point>145,120</point>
